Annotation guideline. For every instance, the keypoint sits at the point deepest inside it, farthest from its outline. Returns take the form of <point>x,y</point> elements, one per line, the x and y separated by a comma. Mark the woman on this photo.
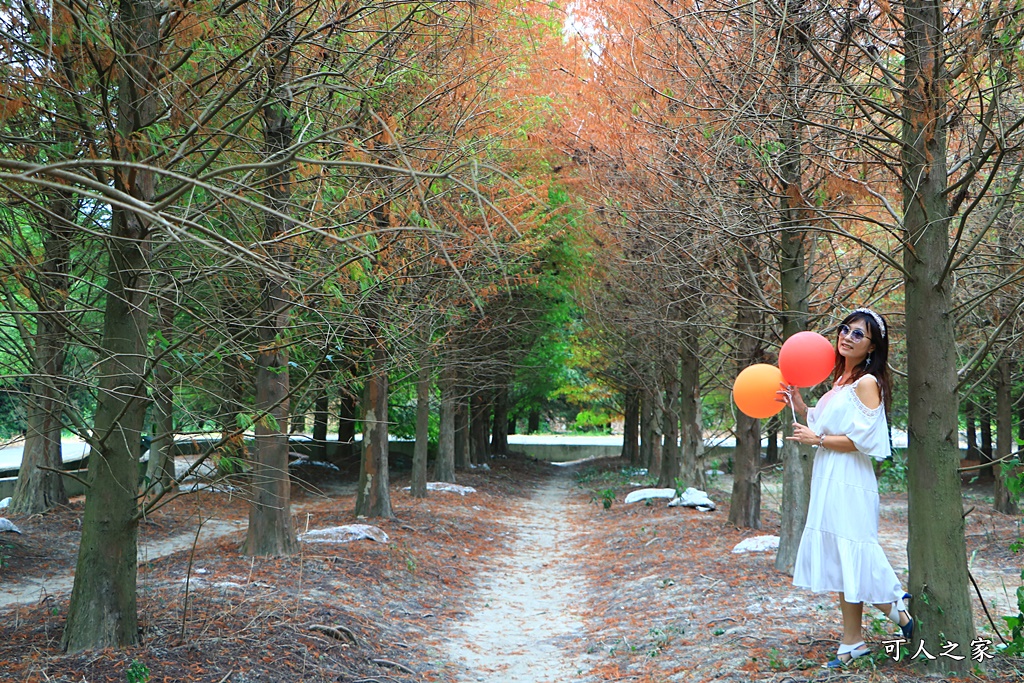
<point>839,549</point>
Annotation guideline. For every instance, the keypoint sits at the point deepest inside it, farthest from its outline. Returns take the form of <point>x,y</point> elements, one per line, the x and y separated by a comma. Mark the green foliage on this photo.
<point>1016,623</point>
<point>137,672</point>
<point>604,483</point>
<point>12,413</point>
<point>402,412</point>
<point>605,496</point>
<point>893,477</point>
<point>590,420</point>
<point>1014,475</point>
<point>553,375</point>
<point>230,464</point>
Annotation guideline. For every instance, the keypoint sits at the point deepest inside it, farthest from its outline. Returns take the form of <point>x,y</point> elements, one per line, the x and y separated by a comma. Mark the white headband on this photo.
<point>878,318</point>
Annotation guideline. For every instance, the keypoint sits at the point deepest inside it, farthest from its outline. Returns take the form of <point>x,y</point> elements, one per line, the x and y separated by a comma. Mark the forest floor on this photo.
<point>530,579</point>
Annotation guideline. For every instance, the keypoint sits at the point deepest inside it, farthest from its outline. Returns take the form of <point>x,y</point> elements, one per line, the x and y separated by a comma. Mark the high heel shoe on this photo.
<point>851,652</point>
<point>899,607</point>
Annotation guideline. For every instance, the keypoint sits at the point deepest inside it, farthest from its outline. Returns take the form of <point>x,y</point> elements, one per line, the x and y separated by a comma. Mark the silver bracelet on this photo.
<point>821,441</point>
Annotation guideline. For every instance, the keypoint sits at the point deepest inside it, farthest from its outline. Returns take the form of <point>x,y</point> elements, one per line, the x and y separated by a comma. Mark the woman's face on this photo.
<point>852,346</point>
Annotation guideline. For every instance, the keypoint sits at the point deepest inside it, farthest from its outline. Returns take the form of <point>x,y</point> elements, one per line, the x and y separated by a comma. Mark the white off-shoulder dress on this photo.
<point>839,550</point>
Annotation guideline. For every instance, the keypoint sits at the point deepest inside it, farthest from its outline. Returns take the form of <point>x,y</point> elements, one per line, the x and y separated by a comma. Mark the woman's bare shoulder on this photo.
<point>868,391</point>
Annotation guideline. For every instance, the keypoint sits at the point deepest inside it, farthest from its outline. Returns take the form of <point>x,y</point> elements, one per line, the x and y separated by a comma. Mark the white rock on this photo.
<point>5,502</point>
<point>757,544</point>
<point>344,534</point>
<point>693,498</point>
<point>8,525</point>
<point>646,494</point>
<point>445,486</point>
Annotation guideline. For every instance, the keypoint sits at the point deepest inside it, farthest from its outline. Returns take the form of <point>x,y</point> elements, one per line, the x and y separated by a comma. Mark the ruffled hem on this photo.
<point>859,570</point>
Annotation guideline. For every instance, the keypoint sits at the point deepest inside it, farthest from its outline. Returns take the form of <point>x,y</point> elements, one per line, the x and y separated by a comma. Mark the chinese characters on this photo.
<point>980,650</point>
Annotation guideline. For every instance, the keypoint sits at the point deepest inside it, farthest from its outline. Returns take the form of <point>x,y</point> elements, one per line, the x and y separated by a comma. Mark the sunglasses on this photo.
<point>856,335</point>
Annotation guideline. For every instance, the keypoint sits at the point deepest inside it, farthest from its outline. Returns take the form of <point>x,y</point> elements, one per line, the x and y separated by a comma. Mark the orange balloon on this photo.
<point>806,359</point>
<point>754,390</point>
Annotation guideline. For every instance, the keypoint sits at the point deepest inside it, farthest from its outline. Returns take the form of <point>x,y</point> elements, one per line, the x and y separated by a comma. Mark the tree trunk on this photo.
<point>373,497</point>
<point>38,490</point>
<point>478,422</point>
<point>986,437</point>
<point>630,427</point>
<point>1020,419</point>
<point>670,461</point>
<point>986,452</point>
<point>973,452</point>
<point>691,421</point>
<point>533,422</point>
<point>270,529</point>
<point>656,435</point>
<point>418,485</point>
<point>462,434</point>
<point>771,451</point>
<point>499,431</point>
<point>797,460</point>
<point>348,414</point>
<point>745,506</point>
<point>321,414</point>
<point>646,417</point>
<point>936,547</point>
<point>160,469</point>
<point>1005,499</point>
<point>444,466</point>
<point>103,612</point>
<point>270,517</point>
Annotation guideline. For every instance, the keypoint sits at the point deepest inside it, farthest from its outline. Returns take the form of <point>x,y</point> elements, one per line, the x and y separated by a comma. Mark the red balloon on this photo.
<point>806,359</point>
<point>755,390</point>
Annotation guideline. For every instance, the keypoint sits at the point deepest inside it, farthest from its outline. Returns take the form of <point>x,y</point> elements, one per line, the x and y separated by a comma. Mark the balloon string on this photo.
<point>789,397</point>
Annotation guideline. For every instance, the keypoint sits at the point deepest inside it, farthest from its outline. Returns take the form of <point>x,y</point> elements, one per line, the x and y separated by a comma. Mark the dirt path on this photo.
<point>525,614</point>
<point>30,590</point>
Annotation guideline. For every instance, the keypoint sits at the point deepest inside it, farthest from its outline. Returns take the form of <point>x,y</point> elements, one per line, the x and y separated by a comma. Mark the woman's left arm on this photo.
<point>834,442</point>
<point>868,394</point>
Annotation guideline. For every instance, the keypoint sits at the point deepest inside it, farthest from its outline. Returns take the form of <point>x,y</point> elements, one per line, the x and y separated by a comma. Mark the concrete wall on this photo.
<point>72,486</point>
<point>566,452</point>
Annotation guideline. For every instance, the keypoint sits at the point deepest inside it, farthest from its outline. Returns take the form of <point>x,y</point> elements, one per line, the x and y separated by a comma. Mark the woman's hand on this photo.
<point>803,434</point>
<point>791,396</point>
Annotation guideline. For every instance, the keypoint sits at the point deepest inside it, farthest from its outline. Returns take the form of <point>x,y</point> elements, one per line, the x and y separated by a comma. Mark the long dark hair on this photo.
<point>879,357</point>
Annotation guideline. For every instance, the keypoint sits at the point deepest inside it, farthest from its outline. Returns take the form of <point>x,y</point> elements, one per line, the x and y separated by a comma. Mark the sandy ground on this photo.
<point>29,590</point>
<point>537,618</point>
<point>524,627</point>
<point>564,591</point>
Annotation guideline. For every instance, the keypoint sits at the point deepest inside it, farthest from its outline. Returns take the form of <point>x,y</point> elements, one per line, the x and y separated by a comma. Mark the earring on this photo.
<point>867,361</point>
